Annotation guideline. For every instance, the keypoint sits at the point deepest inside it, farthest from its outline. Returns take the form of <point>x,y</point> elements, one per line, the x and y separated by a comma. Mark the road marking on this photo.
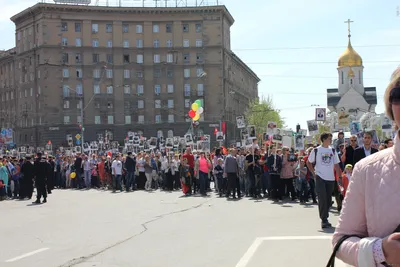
<point>27,255</point>
<point>244,261</point>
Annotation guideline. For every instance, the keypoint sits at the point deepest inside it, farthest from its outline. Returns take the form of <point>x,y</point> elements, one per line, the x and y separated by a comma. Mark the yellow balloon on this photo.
<point>72,175</point>
<point>195,107</point>
<point>197,117</point>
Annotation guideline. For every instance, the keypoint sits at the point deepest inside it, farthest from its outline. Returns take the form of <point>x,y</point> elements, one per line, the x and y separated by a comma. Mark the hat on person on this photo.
<point>349,166</point>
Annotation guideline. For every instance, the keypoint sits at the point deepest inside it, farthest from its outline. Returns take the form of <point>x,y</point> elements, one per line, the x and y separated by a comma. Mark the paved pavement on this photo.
<point>140,229</point>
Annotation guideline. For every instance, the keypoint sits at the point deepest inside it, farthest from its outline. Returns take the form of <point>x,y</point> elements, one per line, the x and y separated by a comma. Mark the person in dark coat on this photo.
<point>27,171</point>
<point>51,175</point>
<point>41,170</point>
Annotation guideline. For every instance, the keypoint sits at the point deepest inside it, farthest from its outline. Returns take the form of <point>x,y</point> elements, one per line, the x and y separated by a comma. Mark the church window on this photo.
<point>342,78</point>
<point>351,81</point>
<point>359,77</point>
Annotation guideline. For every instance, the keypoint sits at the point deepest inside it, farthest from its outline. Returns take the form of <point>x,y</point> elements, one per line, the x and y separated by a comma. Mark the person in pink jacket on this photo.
<point>371,207</point>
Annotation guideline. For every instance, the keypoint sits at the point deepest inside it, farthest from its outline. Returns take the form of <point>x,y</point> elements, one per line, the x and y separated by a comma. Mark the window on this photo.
<point>170,103</point>
<point>199,27</point>
<point>139,74</point>
<point>157,58</point>
<point>199,57</point>
<point>186,43</point>
<point>156,28</point>
<point>127,89</point>
<point>200,89</point>
<point>342,77</point>
<point>65,90</point>
<point>96,58</point>
<point>157,89</point>
<point>170,73</point>
<point>157,103</point>
<point>170,58</point>
<point>31,93</point>
<point>171,119</point>
<point>168,28</point>
<point>110,119</point>
<point>78,27</point>
<point>97,120</point>
<point>187,89</point>
<point>170,88</point>
<point>139,28</point>
<point>109,73</point>
<point>139,43</point>
<point>126,43</point>
<point>65,73</point>
<point>96,89</point>
<point>64,41</point>
<point>199,72</point>
<point>109,27</point>
<point>78,58</point>
<point>110,90</point>
<point>96,73</point>
<point>79,119</point>
<point>109,105</point>
<point>126,59</point>
<point>79,73</point>
<point>127,74</point>
<point>139,59</point>
<point>78,42</point>
<point>140,103</point>
<point>158,119</point>
<point>186,73</point>
<point>95,28</point>
<point>187,103</point>
<point>125,28</point>
<point>156,43</point>
<point>140,89</point>
<point>128,119</point>
<point>64,26</point>
<point>95,42</point>
<point>199,43</point>
<point>109,44</point>
<point>66,104</point>
<point>160,134</point>
<point>186,58</point>
<point>78,89</point>
<point>169,43</point>
<point>359,77</point>
<point>67,120</point>
<point>157,73</point>
<point>185,27</point>
<point>141,119</point>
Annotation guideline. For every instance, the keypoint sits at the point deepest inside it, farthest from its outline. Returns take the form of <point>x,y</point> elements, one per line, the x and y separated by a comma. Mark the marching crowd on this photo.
<point>312,175</point>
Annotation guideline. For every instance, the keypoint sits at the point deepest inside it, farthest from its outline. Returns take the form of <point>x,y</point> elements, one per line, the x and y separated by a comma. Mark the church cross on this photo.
<point>348,25</point>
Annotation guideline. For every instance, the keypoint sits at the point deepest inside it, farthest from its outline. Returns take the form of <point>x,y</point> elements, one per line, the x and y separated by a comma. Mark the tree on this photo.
<point>322,128</point>
<point>260,112</point>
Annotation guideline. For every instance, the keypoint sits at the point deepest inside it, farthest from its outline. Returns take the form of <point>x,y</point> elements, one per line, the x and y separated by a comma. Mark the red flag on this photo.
<point>224,127</point>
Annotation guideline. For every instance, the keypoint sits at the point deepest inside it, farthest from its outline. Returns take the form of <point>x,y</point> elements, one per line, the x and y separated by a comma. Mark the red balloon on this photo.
<point>192,114</point>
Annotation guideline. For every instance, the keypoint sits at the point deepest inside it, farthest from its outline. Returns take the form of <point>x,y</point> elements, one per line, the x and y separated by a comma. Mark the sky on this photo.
<point>293,46</point>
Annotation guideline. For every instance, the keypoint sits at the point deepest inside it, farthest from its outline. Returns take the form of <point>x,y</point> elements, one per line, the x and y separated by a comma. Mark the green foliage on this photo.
<point>322,128</point>
<point>260,112</point>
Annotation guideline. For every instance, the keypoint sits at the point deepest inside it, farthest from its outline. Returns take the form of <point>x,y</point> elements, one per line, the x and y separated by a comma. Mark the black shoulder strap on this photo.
<point>315,152</point>
<point>331,262</point>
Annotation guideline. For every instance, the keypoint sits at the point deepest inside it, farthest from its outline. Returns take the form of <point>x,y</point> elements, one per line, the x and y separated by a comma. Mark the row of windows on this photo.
<point>126,58</point>
<point>128,119</point>
<point>10,95</point>
<point>127,74</point>
<point>158,89</point>
<point>186,27</point>
<point>127,44</point>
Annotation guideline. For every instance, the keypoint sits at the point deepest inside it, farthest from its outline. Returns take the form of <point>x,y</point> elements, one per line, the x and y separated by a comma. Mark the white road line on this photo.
<point>27,255</point>
<point>244,261</point>
<point>249,253</point>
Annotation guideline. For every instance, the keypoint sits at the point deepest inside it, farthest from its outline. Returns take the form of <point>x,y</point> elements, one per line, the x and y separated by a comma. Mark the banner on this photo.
<point>6,136</point>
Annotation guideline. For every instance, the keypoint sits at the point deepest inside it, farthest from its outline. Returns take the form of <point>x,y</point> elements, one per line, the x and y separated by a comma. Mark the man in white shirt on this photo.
<point>322,162</point>
<point>116,167</point>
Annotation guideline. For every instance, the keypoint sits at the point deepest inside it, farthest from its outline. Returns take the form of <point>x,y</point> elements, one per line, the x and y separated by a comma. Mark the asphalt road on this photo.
<point>140,229</point>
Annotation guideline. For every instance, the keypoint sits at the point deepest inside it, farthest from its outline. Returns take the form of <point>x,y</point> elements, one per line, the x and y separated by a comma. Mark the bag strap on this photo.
<point>331,262</point>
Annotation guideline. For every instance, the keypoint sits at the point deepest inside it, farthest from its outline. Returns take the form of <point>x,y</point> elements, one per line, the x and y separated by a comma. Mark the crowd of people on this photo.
<point>310,176</point>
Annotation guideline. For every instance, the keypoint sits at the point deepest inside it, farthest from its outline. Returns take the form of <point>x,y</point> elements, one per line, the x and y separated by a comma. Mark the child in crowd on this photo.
<point>219,173</point>
<point>301,181</point>
<point>186,179</point>
<point>348,171</point>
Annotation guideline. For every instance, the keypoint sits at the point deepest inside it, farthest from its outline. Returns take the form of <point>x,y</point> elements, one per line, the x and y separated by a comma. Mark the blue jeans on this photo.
<point>130,180</point>
<point>88,177</point>
<point>203,179</point>
<point>117,182</point>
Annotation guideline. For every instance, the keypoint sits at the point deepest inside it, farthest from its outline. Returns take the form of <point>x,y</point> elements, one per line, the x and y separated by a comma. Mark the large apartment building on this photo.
<point>130,69</point>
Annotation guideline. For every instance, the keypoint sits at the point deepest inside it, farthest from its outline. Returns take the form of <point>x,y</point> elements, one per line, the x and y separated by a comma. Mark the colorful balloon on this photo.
<point>192,114</point>
<point>197,117</point>
<point>199,102</point>
<point>195,106</point>
<point>200,110</point>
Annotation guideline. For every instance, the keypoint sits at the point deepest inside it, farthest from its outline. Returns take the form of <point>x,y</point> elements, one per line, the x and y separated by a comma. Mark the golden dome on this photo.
<point>350,58</point>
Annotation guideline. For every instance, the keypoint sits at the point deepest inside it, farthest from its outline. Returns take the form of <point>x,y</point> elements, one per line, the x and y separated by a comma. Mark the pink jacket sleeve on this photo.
<point>352,220</point>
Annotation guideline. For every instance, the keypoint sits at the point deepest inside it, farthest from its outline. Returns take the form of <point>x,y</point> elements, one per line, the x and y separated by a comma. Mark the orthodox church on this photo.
<point>351,99</point>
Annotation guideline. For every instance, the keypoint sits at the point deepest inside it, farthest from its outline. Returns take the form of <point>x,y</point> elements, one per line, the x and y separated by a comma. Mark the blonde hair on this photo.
<point>394,82</point>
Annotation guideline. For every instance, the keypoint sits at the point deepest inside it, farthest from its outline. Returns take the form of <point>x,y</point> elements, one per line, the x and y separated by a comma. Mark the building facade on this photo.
<point>129,69</point>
